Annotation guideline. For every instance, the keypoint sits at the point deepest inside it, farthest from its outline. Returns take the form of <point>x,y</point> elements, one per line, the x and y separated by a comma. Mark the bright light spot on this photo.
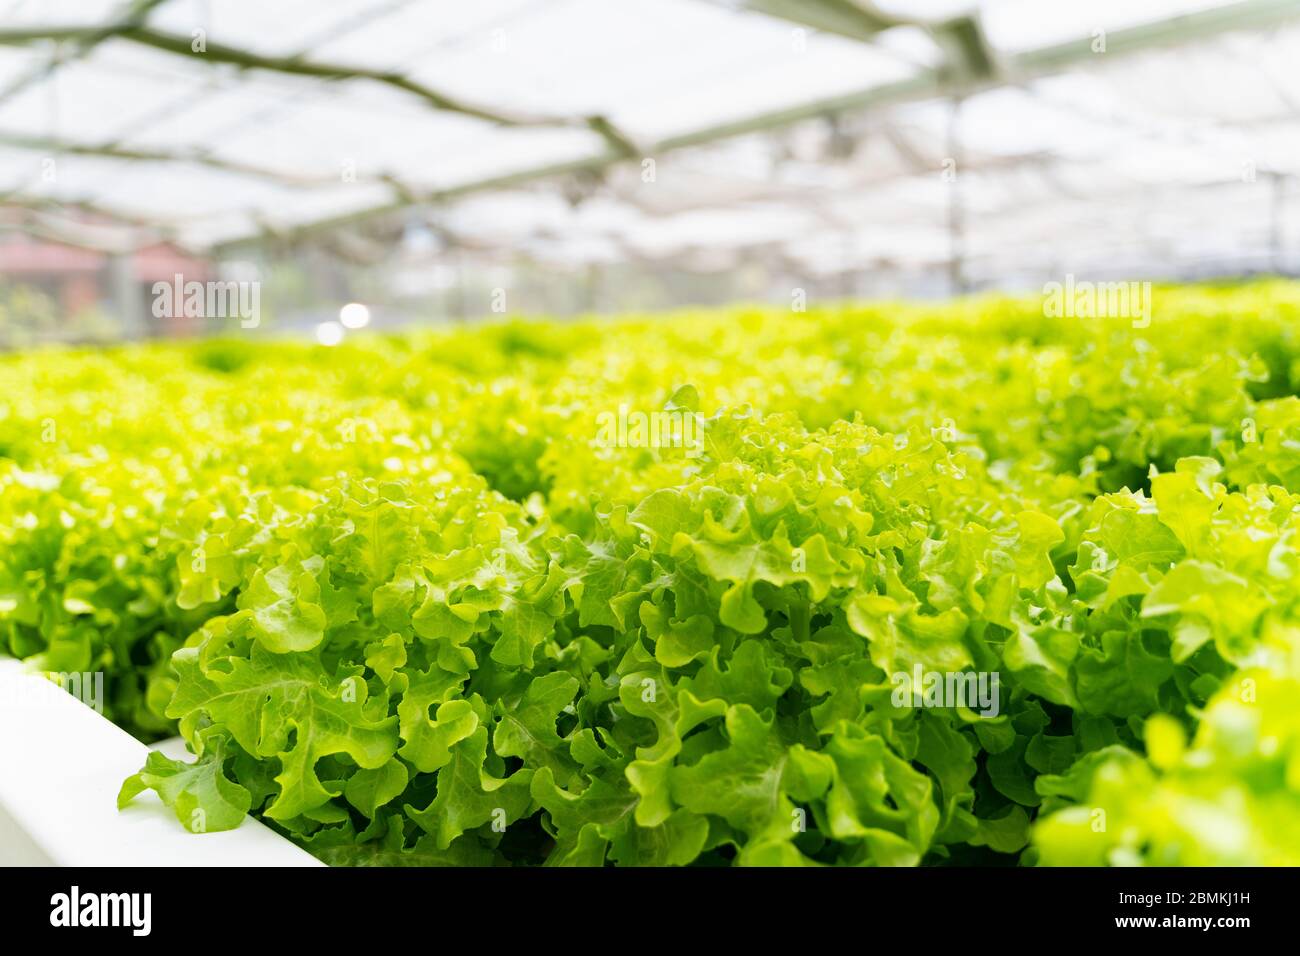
<point>329,333</point>
<point>354,315</point>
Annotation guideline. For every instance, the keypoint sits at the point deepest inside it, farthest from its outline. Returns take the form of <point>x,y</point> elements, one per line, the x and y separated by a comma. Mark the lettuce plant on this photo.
<point>410,604</point>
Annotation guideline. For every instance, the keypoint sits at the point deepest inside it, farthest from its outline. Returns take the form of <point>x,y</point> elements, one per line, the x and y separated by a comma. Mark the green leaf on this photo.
<point>285,706</point>
<point>286,609</point>
<point>468,796</point>
<point>203,798</point>
<point>368,790</point>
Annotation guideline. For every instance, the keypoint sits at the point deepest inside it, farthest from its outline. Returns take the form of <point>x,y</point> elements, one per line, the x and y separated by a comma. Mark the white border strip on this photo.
<point>61,766</point>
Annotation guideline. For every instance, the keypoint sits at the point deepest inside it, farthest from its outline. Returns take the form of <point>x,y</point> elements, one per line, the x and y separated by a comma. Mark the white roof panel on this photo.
<point>1126,149</point>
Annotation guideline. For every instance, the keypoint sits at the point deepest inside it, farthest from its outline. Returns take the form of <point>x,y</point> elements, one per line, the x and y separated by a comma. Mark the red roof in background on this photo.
<point>19,255</point>
<point>163,262</point>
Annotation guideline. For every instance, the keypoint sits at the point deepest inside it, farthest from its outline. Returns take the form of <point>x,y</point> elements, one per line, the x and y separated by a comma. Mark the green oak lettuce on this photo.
<point>408,607</point>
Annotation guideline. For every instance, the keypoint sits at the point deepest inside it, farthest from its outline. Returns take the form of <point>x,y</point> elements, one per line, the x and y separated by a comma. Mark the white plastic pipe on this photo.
<point>61,766</point>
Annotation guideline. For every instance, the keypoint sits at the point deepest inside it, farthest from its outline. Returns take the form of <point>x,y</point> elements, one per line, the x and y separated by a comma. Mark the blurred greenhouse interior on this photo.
<point>393,162</point>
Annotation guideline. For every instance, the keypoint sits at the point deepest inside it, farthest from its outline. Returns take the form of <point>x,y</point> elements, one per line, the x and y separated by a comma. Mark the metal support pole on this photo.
<point>1277,209</point>
<point>127,296</point>
<point>956,214</point>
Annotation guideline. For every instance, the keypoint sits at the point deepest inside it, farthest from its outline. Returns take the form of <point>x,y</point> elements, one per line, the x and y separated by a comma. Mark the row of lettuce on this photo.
<point>412,602</point>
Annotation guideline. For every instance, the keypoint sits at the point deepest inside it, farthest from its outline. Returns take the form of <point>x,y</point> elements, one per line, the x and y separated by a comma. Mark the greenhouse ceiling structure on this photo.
<point>992,141</point>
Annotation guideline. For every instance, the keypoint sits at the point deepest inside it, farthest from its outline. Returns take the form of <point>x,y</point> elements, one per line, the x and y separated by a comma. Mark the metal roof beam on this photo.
<point>928,84</point>
<point>856,19</point>
<point>968,54</point>
<point>136,31</point>
<point>136,12</point>
<point>57,146</point>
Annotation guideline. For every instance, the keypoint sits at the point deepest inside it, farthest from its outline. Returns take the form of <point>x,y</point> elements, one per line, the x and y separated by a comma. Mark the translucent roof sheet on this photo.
<point>579,130</point>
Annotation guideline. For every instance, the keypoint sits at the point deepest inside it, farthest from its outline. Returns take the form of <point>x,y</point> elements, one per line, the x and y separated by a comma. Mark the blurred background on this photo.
<point>377,163</point>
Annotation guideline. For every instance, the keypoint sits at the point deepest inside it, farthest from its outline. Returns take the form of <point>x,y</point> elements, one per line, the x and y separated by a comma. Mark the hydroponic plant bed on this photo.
<point>641,591</point>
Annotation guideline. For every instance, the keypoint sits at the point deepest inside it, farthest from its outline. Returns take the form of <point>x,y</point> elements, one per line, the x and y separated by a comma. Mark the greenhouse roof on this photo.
<point>1016,135</point>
